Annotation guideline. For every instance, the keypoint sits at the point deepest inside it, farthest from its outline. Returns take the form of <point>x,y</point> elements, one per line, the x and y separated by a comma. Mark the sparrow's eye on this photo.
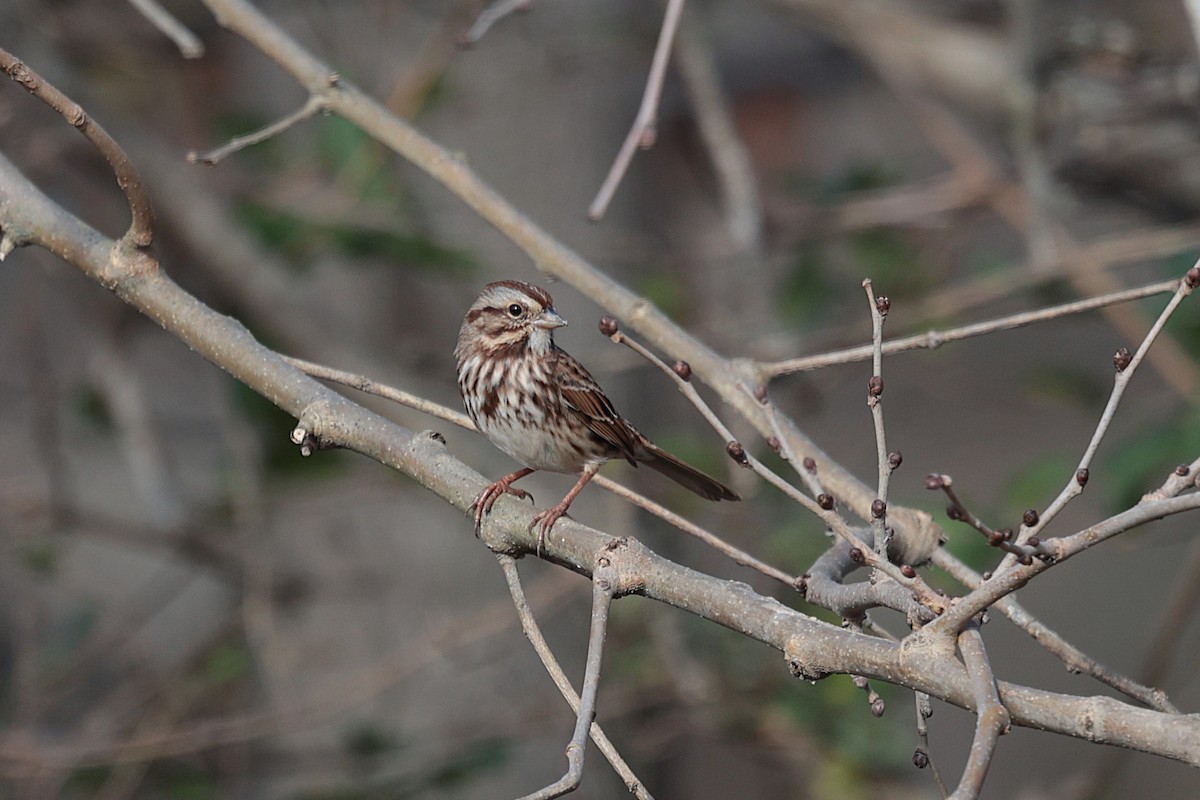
<point>515,310</point>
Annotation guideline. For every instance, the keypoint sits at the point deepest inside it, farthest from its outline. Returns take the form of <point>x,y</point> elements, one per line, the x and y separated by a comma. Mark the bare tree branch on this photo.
<point>188,43</point>
<point>313,106</point>
<point>644,130</point>
<point>141,228</point>
<point>992,716</point>
<point>812,648</point>
<point>935,339</point>
<point>534,634</point>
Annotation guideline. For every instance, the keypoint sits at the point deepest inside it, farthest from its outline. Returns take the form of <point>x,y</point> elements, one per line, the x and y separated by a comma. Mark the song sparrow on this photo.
<point>539,405</point>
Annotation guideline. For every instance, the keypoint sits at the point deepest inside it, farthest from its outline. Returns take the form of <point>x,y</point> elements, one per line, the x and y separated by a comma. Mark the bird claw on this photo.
<point>544,521</point>
<point>481,506</point>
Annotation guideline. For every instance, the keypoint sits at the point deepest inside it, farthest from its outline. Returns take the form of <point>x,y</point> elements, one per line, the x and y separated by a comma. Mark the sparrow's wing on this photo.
<point>583,396</point>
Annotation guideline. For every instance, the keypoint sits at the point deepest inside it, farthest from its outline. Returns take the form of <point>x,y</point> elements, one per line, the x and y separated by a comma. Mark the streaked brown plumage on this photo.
<point>539,405</point>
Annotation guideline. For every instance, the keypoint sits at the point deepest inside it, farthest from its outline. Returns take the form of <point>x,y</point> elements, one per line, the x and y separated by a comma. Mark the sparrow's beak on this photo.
<point>549,319</point>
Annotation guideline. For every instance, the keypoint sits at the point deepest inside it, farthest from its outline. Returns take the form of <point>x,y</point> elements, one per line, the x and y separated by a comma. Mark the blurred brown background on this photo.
<point>260,625</point>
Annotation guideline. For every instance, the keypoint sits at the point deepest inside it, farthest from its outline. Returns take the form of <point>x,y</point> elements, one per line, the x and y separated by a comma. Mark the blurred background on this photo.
<point>192,610</point>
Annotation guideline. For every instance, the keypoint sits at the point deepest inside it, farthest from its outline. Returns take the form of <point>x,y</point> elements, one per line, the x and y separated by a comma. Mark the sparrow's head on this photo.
<point>509,315</point>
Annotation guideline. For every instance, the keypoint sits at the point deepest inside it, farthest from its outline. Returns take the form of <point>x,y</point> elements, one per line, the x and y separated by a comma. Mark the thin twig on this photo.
<point>643,132</point>
<point>489,17</point>
<point>992,718</point>
<point>141,226</point>
<point>923,757</point>
<point>879,307</point>
<point>1181,478</point>
<point>683,384</point>
<point>874,701</point>
<point>1124,374</point>
<point>533,632</point>
<point>602,596</point>
<point>188,43</point>
<point>736,554</point>
<point>365,384</point>
<point>732,167</point>
<point>935,339</point>
<point>958,511</point>
<point>805,468</point>
<point>312,106</point>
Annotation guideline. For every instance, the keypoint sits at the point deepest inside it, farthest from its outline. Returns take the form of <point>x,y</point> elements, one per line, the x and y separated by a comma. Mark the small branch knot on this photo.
<point>23,75</point>
<point>309,430</point>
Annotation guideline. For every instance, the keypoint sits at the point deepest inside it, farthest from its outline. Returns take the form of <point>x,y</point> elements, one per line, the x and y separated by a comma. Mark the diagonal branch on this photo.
<point>313,106</point>
<point>188,43</point>
<point>643,132</point>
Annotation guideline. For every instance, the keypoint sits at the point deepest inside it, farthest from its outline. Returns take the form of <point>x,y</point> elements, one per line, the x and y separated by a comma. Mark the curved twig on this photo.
<point>141,227</point>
